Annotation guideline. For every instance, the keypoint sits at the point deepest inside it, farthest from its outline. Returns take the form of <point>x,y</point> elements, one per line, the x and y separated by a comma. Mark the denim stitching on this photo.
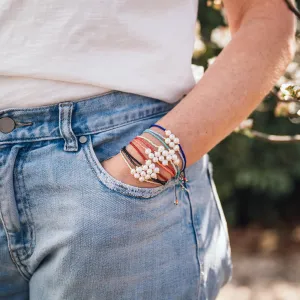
<point>200,261</point>
<point>73,141</point>
<point>13,253</point>
<point>13,258</point>
<point>104,129</point>
<point>113,186</point>
<point>26,208</point>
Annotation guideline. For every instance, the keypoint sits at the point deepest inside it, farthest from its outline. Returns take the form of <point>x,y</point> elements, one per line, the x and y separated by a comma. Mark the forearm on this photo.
<point>231,88</point>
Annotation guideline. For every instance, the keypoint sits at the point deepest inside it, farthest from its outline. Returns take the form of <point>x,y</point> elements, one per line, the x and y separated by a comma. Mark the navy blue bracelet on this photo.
<point>183,155</point>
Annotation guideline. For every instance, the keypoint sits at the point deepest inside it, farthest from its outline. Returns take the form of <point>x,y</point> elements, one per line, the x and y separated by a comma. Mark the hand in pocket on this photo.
<point>117,168</point>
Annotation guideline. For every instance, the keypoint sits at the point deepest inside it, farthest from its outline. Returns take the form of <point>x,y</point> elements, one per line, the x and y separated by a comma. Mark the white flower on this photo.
<point>198,72</point>
<point>285,88</point>
<point>292,67</point>
<point>221,36</point>
<point>211,60</point>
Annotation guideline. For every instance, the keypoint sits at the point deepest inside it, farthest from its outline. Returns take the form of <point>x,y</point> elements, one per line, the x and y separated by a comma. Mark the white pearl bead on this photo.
<point>139,169</point>
<point>161,158</point>
<point>136,175</point>
<point>145,167</point>
<point>174,156</point>
<point>177,162</point>
<point>165,162</point>
<point>143,173</point>
<point>176,140</point>
<point>152,166</point>
<point>155,159</point>
<point>157,154</point>
<point>167,140</point>
<point>172,136</point>
<point>133,171</point>
<point>161,148</point>
<point>151,155</point>
<point>147,176</point>
<point>165,153</point>
<point>172,151</point>
<point>141,179</point>
<point>169,157</point>
<point>149,171</point>
<point>176,148</point>
<point>172,144</point>
<point>148,162</point>
<point>168,132</point>
<point>153,175</point>
<point>156,170</point>
<point>148,151</point>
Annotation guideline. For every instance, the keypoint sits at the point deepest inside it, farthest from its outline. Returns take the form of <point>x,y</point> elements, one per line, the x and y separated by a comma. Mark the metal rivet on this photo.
<point>7,125</point>
<point>83,139</point>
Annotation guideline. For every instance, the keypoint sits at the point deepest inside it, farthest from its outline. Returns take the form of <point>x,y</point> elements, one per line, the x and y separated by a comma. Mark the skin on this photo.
<point>261,47</point>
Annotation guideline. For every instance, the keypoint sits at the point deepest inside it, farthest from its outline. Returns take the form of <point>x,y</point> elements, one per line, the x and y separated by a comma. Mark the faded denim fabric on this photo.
<point>69,230</point>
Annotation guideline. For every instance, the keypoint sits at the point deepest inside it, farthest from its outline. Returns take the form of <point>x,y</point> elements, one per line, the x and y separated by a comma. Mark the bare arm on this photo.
<point>262,45</point>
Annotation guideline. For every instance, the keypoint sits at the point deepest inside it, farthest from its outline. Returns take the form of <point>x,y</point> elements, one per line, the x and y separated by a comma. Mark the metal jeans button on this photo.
<point>7,125</point>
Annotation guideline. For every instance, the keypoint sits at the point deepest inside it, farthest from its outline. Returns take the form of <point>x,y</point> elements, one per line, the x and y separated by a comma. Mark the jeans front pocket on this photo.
<point>122,136</point>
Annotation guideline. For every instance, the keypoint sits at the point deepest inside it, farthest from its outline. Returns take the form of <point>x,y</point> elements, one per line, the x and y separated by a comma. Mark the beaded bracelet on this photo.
<point>141,172</point>
<point>156,157</point>
<point>171,136</point>
<point>144,157</point>
<point>167,152</point>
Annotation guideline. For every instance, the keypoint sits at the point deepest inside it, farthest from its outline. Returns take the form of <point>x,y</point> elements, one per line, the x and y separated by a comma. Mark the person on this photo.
<point>106,187</point>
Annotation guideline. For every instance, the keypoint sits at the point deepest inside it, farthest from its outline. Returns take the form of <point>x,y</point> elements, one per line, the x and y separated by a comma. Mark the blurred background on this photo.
<point>257,173</point>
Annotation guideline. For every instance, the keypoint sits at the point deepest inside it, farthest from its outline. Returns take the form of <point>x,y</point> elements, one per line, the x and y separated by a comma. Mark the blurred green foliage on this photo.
<point>258,181</point>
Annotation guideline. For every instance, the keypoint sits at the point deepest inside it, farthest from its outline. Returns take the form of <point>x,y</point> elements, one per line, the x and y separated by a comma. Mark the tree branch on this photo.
<point>271,137</point>
<point>292,8</point>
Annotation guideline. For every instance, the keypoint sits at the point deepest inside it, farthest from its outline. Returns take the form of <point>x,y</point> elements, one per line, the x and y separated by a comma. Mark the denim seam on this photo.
<point>28,214</point>
<point>71,137</point>
<point>14,259</point>
<point>200,262</point>
<point>210,178</point>
<point>80,134</point>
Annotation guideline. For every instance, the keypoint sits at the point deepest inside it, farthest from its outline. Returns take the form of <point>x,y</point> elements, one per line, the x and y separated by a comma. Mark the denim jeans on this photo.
<point>69,230</point>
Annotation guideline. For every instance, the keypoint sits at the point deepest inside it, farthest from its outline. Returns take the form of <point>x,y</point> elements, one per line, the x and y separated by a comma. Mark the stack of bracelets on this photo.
<point>166,156</point>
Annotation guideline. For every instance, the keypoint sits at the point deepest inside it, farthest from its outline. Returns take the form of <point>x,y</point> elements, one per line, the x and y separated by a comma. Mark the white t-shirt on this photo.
<point>54,50</point>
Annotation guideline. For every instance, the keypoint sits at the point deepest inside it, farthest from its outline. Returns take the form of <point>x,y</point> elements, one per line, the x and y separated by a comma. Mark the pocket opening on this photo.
<point>116,185</point>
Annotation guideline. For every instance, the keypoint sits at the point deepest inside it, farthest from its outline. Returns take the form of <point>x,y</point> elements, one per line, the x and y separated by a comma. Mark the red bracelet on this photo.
<point>168,169</point>
<point>145,158</point>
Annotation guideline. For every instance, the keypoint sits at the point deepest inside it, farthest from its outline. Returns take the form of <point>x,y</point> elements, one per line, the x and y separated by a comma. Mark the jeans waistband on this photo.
<point>68,119</point>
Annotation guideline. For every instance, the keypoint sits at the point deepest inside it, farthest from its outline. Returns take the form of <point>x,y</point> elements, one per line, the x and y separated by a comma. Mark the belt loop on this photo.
<point>65,126</point>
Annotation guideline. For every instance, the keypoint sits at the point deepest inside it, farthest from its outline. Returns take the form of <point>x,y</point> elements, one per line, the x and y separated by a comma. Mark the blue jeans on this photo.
<point>69,230</point>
